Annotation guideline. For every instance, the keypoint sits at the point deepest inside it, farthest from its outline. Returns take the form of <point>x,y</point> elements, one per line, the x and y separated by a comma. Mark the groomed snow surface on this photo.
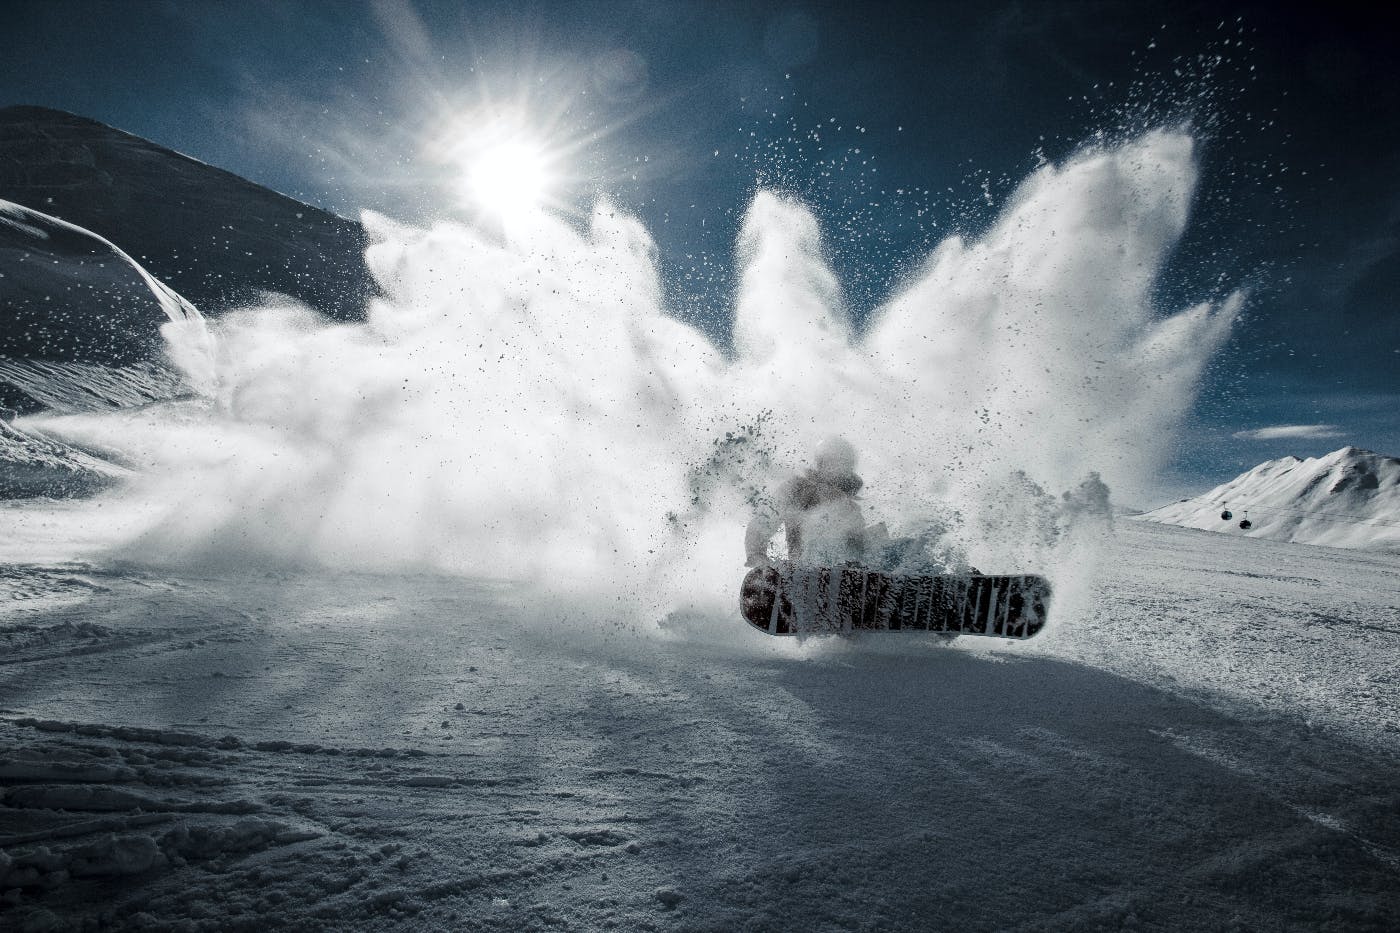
<point>1207,743</point>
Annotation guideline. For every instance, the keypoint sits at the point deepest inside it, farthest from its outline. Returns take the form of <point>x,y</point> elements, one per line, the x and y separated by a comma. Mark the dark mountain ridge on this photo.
<point>214,237</point>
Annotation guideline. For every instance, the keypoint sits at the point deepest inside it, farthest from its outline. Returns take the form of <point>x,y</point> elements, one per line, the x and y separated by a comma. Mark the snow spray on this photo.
<point>522,406</point>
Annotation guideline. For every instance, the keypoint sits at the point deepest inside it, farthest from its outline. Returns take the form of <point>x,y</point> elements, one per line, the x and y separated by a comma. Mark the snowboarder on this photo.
<point>840,576</point>
<point>817,509</point>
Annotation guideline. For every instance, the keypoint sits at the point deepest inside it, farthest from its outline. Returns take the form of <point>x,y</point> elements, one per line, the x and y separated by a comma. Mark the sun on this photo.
<point>510,159</point>
<point>509,177</point>
<point>512,153</point>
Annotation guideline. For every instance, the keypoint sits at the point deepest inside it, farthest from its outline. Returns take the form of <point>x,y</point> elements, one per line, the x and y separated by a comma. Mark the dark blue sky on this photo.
<point>1299,118</point>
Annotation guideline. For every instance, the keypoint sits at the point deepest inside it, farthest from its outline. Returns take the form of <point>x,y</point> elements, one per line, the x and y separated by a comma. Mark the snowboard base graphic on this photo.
<point>797,600</point>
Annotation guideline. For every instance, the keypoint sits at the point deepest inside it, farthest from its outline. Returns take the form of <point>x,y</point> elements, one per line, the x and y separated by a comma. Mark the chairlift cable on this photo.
<point>1324,516</point>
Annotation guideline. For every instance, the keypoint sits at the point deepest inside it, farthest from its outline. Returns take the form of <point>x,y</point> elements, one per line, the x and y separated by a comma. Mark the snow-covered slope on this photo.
<point>28,386</point>
<point>80,329</point>
<point>216,238</point>
<point>33,466</point>
<point>1349,498</point>
<point>68,294</point>
<point>326,752</point>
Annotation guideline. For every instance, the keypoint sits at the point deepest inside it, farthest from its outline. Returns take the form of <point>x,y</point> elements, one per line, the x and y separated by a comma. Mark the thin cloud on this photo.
<point>1290,432</point>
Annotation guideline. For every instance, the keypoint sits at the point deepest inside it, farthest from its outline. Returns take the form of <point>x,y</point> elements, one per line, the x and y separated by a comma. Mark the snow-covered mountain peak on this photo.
<point>1347,498</point>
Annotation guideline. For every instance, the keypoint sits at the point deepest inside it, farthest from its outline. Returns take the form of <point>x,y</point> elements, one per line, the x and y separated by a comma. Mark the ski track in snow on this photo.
<point>1212,745</point>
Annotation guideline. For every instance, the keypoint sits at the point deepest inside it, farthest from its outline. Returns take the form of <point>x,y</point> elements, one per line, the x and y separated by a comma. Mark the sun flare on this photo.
<point>509,178</point>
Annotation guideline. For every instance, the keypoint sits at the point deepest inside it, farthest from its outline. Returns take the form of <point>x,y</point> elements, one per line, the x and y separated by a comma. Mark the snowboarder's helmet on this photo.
<point>835,457</point>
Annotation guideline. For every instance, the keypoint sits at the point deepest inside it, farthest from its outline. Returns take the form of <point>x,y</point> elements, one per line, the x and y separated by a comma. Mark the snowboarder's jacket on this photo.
<point>820,514</point>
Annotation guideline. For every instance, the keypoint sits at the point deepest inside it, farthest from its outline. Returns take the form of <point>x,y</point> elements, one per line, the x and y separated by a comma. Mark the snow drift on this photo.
<point>1349,498</point>
<point>523,405</point>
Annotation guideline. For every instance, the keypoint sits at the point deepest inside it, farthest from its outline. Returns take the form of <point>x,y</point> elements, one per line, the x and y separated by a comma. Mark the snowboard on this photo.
<point>794,600</point>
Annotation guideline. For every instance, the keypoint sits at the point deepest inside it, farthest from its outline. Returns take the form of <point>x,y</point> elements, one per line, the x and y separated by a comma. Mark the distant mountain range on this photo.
<point>1350,498</point>
<point>212,236</point>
